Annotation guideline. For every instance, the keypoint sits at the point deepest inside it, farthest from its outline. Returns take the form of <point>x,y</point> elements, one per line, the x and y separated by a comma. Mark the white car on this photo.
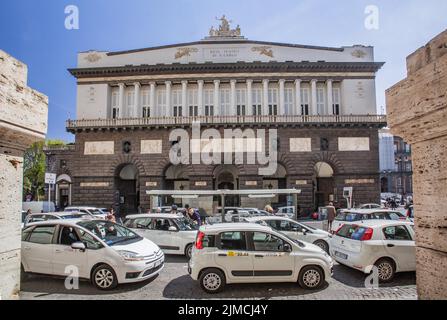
<point>295,230</point>
<point>286,212</point>
<point>353,215</point>
<point>38,217</point>
<point>93,211</point>
<point>370,206</point>
<point>251,253</point>
<point>172,233</point>
<point>104,252</point>
<point>236,215</point>
<point>387,245</point>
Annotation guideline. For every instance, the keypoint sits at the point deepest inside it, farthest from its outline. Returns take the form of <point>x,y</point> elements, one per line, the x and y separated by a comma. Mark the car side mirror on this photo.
<point>304,231</point>
<point>78,246</point>
<point>172,228</point>
<point>287,248</point>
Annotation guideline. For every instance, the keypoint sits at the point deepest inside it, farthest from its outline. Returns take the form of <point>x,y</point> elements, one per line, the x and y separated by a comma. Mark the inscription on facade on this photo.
<point>151,183</point>
<point>300,182</point>
<point>300,145</point>
<point>251,183</point>
<point>94,184</point>
<point>201,184</point>
<point>151,146</point>
<point>353,144</point>
<point>359,181</point>
<point>99,147</point>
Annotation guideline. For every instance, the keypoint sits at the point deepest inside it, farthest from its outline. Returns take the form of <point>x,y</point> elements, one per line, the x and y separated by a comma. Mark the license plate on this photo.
<point>341,255</point>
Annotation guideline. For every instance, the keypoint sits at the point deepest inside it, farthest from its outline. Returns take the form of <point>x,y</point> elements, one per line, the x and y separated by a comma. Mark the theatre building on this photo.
<point>320,100</point>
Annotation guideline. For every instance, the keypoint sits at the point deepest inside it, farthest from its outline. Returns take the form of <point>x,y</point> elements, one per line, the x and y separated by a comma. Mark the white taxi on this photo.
<point>387,245</point>
<point>295,230</point>
<point>104,252</point>
<point>173,233</point>
<point>251,253</point>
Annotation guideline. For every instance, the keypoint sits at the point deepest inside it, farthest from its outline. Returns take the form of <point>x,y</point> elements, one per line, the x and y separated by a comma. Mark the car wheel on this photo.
<point>188,251</point>
<point>311,277</point>
<point>104,278</point>
<point>323,245</point>
<point>385,270</point>
<point>212,280</point>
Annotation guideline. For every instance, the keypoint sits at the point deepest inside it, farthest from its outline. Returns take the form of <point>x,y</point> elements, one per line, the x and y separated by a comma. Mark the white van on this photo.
<point>252,253</point>
<point>38,206</point>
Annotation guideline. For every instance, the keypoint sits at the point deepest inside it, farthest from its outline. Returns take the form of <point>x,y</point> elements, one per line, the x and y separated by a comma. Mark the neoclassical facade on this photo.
<point>320,100</point>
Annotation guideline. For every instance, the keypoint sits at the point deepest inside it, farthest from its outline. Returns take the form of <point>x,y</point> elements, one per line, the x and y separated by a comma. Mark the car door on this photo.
<point>165,239</point>
<point>270,262</point>
<point>65,256</point>
<point>37,250</point>
<point>400,245</point>
<point>233,256</point>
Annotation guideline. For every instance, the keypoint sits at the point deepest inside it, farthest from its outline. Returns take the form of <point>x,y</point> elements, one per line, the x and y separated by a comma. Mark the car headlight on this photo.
<point>130,256</point>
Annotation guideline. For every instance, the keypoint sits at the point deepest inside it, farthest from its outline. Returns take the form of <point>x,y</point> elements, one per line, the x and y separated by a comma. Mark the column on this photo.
<point>297,97</point>
<point>168,111</point>
<point>282,109</point>
<point>185,97</point>
<point>216,97</point>
<point>249,97</point>
<point>329,96</point>
<point>137,112</point>
<point>232,98</point>
<point>154,112</point>
<point>200,97</point>
<point>121,113</point>
<point>313,103</point>
<point>265,100</point>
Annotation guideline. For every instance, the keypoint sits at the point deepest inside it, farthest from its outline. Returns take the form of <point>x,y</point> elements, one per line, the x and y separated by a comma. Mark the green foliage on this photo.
<point>34,164</point>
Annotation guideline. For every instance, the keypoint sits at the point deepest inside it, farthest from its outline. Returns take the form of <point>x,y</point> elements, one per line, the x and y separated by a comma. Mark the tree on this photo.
<point>34,168</point>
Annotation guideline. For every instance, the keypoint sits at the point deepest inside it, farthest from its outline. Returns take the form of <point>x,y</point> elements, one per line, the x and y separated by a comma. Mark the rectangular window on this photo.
<point>267,242</point>
<point>146,111</point>
<point>304,101</point>
<point>192,103</point>
<point>161,101</point>
<point>225,101</point>
<point>115,105</point>
<point>336,101</point>
<point>273,102</point>
<point>42,235</point>
<point>177,103</point>
<point>232,240</point>
<point>241,96</point>
<point>320,101</point>
<point>288,100</point>
<point>209,102</point>
<point>397,233</point>
<point>256,102</point>
<point>130,99</point>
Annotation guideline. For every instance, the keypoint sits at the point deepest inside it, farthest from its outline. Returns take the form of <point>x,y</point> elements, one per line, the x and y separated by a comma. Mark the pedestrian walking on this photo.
<point>330,215</point>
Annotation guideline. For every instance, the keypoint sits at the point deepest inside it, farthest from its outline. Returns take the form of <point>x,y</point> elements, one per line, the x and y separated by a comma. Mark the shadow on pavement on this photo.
<point>184,287</point>
<point>355,278</point>
<point>175,258</point>
<point>48,285</point>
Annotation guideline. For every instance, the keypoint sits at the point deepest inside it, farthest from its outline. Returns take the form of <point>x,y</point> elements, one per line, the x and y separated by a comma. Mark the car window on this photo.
<point>139,223</point>
<point>67,236</point>
<point>352,217</point>
<point>351,231</point>
<point>232,240</point>
<point>25,233</point>
<point>42,234</point>
<point>111,233</point>
<point>161,224</point>
<point>267,242</point>
<point>393,215</point>
<point>186,225</point>
<point>89,241</point>
<point>396,233</point>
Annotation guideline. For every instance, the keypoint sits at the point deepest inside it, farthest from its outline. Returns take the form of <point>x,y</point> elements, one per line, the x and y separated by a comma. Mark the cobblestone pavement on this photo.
<point>175,283</point>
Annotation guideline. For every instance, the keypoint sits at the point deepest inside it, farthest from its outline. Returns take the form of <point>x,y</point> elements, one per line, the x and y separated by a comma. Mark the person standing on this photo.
<point>330,215</point>
<point>194,216</point>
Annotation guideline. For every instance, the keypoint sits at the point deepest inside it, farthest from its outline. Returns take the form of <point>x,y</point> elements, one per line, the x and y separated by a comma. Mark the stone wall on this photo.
<point>418,113</point>
<point>23,120</point>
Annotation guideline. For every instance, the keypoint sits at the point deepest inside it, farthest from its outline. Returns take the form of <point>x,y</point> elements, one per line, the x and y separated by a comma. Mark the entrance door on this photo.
<point>325,187</point>
<point>126,183</point>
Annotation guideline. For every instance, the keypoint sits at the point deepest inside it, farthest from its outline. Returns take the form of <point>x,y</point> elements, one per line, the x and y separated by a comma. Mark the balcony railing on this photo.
<point>225,120</point>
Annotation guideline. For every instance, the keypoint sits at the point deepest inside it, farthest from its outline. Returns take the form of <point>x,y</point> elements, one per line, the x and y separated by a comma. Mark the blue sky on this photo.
<point>34,32</point>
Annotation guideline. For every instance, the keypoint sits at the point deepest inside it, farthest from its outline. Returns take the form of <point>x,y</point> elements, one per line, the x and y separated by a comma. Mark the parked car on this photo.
<point>251,253</point>
<point>172,233</point>
<point>93,211</point>
<point>236,215</point>
<point>38,217</point>
<point>295,230</point>
<point>255,212</point>
<point>387,245</point>
<point>370,206</point>
<point>352,215</point>
<point>288,211</point>
<point>105,253</point>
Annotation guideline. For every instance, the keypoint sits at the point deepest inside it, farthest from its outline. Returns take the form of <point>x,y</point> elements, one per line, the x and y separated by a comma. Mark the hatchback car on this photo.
<point>172,233</point>
<point>98,213</point>
<point>296,230</point>
<point>352,215</point>
<point>387,245</point>
<point>251,253</point>
<point>104,252</point>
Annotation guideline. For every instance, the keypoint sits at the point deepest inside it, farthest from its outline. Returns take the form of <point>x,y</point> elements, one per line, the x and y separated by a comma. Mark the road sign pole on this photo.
<point>49,196</point>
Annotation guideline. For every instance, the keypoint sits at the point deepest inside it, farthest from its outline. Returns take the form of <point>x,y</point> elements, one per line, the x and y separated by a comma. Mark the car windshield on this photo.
<point>186,225</point>
<point>109,232</point>
<point>298,242</point>
<point>96,211</point>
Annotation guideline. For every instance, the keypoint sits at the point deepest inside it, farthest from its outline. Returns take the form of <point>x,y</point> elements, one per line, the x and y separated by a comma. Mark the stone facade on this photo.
<point>23,120</point>
<point>418,113</point>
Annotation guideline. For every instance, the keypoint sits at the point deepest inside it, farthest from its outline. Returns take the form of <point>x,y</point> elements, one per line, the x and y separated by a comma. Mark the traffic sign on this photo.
<point>50,178</point>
